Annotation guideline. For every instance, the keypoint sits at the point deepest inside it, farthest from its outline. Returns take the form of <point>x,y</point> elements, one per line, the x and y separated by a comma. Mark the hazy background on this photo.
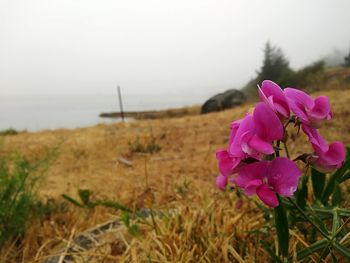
<point>162,53</point>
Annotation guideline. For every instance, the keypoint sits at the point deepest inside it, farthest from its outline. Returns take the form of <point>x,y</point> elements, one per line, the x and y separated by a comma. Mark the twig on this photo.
<point>67,247</point>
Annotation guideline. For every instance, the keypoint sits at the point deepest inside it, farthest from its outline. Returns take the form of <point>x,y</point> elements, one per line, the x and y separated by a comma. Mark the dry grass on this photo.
<point>206,227</point>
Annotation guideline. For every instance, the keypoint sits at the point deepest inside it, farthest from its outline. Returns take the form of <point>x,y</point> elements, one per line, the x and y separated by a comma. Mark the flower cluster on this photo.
<point>255,139</point>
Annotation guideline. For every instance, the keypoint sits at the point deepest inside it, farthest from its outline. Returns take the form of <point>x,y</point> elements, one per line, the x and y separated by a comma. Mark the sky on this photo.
<point>157,47</point>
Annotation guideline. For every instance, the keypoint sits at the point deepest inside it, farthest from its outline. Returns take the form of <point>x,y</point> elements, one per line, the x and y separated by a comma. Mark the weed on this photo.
<point>182,189</point>
<point>86,202</point>
<point>18,200</point>
<point>9,131</point>
<point>149,147</point>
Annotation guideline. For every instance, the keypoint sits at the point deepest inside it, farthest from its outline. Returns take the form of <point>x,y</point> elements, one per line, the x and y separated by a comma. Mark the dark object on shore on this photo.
<point>228,99</point>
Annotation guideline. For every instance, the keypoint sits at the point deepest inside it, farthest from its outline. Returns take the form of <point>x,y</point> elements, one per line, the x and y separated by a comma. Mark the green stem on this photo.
<point>301,211</point>
<point>277,150</point>
<point>286,149</point>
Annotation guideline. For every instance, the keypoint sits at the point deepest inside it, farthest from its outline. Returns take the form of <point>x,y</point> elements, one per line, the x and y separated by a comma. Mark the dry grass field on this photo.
<point>205,225</point>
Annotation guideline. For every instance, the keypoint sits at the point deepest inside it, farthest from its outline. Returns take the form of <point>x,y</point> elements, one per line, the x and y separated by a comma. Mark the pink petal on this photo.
<point>267,125</point>
<point>299,97</point>
<point>318,143</point>
<point>221,181</point>
<point>264,98</point>
<point>248,148</point>
<point>321,110</point>
<point>250,188</point>
<point>250,172</point>
<point>246,125</point>
<point>234,128</point>
<point>334,156</point>
<point>226,163</point>
<point>267,195</point>
<point>283,176</point>
<point>299,103</point>
<point>270,89</point>
<point>260,146</point>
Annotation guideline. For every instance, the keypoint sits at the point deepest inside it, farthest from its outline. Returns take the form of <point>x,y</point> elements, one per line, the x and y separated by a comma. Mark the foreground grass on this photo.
<point>205,224</point>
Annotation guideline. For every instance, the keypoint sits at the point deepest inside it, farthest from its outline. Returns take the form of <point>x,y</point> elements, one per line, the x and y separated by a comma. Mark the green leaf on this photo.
<point>321,224</point>
<point>336,222</point>
<point>281,223</point>
<point>113,204</point>
<point>334,259</point>
<point>301,254</point>
<point>329,211</point>
<point>318,183</point>
<point>342,250</point>
<point>269,251</point>
<point>125,219</point>
<point>329,189</point>
<point>336,196</point>
<point>72,200</point>
<point>345,177</point>
<point>84,195</point>
<point>301,195</point>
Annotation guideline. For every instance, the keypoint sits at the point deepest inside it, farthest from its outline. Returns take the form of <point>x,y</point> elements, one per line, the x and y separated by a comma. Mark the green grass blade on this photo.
<point>302,193</point>
<point>344,251</point>
<point>269,251</point>
<point>312,249</point>
<point>72,200</point>
<point>281,223</point>
<point>318,183</point>
<point>336,196</point>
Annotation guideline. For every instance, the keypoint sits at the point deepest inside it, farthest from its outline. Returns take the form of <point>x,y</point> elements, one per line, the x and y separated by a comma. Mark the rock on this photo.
<point>228,99</point>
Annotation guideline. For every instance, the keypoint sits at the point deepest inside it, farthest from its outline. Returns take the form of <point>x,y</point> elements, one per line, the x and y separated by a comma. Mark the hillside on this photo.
<point>180,176</point>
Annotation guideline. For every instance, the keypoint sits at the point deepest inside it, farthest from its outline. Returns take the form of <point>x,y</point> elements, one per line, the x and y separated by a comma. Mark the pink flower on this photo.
<point>274,96</point>
<point>309,111</point>
<point>252,136</point>
<point>328,157</point>
<point>266,178</point>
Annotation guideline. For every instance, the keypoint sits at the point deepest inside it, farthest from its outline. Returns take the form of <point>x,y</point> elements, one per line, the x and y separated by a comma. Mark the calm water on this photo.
<point>35,113</point>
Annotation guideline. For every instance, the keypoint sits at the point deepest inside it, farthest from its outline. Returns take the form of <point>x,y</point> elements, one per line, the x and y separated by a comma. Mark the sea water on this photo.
<point>34,113</point>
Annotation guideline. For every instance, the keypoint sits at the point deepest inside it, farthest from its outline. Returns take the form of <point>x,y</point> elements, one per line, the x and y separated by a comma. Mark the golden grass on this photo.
<point>206,227</point>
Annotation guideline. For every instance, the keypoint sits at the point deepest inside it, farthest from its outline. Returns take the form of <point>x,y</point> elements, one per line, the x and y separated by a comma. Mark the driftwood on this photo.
<point>125,161</point>
<point>83,242</point>
<point>93,238</point>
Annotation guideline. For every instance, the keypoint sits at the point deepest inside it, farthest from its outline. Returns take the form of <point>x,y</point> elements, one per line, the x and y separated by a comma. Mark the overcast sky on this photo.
<point>158,46</point>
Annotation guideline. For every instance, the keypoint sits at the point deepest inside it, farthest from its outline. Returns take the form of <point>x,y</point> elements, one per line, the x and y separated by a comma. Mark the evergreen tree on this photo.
<point>275,65</point>
<point>347,60</point>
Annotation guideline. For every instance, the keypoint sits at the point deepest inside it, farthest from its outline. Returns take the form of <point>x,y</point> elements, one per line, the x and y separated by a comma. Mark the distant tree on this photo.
<point>347,60</point>
<point>275,65</point>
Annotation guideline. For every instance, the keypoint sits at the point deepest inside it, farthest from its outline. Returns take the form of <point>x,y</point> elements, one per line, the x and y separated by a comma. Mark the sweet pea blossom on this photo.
<point>266,178</point>
<point>273,95</point>
<point>253,135</point>
<point>243,163</point>
<point>327,157</point>
<point>309,111</point>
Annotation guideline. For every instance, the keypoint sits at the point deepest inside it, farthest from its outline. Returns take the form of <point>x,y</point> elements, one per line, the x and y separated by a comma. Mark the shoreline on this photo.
<point>154,114</point>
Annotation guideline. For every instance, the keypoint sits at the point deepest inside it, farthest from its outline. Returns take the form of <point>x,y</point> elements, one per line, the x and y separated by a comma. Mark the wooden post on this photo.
<point>120,103</point>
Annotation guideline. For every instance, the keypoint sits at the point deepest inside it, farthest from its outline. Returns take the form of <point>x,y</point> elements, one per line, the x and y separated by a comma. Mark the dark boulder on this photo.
<point>228,99</point>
